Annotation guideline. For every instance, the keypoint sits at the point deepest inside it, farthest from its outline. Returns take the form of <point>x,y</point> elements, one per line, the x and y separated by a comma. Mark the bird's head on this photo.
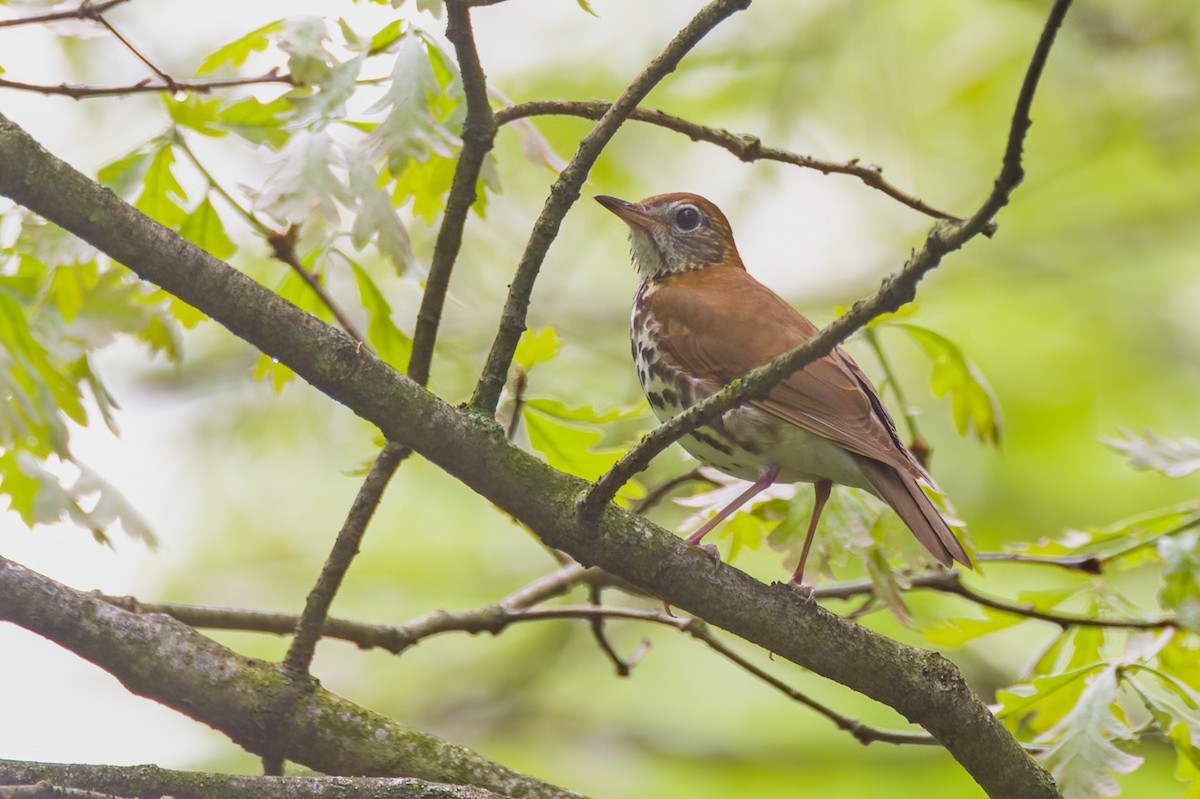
<point>673,233</point>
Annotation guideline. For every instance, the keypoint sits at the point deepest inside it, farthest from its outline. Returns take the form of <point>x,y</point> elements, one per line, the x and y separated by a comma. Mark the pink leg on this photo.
<point>821,491</point>
<point>728,510</point>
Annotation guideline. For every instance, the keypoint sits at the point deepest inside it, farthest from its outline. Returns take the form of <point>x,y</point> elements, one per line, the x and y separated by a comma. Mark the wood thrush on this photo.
<point>701,321</point>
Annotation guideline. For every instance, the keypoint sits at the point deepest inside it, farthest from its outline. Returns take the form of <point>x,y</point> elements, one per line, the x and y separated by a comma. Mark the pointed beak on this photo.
<point>631,214</point>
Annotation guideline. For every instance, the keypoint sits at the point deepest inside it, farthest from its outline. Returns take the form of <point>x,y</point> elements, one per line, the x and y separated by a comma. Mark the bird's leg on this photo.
<point>725,512</point>
<point>821,490</point>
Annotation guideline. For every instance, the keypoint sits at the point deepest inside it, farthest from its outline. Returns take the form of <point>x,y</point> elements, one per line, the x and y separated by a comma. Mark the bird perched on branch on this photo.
<point>701,321</point>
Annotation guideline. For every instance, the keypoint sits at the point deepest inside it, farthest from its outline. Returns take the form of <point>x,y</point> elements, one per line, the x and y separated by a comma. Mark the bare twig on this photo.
<point>85,10</point>
<point>99,17</point>
<point>345,547</point>
<point>81,91</point>
<point>659,492</point>
<point>745,147</point>
<point>283,246</point>
<point>565,191</point>
<point>1091,563</point>
<point>478,134</point>
<point>896,291</point>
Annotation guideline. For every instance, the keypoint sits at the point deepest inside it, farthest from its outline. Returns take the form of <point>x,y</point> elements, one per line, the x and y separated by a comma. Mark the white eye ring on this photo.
<point>687,218</point>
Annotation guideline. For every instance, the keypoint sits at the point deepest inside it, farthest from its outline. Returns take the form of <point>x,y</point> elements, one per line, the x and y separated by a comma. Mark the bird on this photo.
<point>701,321</point>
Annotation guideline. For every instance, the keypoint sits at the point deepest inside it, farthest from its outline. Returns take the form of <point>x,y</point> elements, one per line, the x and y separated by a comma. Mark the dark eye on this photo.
<point>687,218</point>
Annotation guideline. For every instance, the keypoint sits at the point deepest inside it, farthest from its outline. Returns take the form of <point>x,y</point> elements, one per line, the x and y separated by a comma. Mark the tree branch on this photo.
<point>745,147</point>
<point>565,191</point>
<point>85,10</point>
<point>251,701</point>
<point>151,781</point>
<point>896,291</point>
<point>470,446</point>
<point>79,92</point>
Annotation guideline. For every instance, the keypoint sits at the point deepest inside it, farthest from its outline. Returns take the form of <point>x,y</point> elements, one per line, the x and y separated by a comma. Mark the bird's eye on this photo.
<point>687,218</point>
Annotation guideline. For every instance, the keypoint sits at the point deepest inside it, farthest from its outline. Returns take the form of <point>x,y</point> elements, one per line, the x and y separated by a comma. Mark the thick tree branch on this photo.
<point>470,446</point>
<point>745,147</point>
<point>565,191</point>
<point>151,782</point>
<point>897,290</point>
<point>251,701</point>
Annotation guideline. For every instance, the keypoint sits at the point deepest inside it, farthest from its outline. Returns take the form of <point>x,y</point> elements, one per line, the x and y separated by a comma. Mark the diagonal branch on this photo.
<point>565,191</point>
<point>478,134</point>
<point>249,700</point>
<point>746,147</point>
<point>896,291</point>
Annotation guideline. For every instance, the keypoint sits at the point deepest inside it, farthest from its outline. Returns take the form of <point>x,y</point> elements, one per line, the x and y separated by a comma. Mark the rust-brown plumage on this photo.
<point>701,320</point>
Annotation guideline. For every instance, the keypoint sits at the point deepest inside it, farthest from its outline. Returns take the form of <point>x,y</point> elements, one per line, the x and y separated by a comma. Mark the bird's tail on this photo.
<point>904,494</point>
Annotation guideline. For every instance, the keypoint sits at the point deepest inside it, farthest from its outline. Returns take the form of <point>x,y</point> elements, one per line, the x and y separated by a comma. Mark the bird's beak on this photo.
<point>631,214</point>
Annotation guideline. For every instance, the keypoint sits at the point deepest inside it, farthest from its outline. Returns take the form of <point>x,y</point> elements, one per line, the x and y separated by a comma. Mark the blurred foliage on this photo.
<point>1077,319</point>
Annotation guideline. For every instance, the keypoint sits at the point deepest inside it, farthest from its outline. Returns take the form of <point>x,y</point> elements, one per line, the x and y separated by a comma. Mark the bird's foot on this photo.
<point>711,549</point>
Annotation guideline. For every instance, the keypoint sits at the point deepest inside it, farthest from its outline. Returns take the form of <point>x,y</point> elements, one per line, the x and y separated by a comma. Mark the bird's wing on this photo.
<point>721,322</point>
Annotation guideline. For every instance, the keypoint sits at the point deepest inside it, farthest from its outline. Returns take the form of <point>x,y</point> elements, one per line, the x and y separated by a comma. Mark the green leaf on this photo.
<point>196,113</point>
<point>586,6</point>
<point>387,36</point>
<point>161,192</point>
<point>267,368</point>
<point>203,227</point>
<point>972,401</point>
<point>1083,751</point>
<point>389,342</point>
<point>583,413</point>
<point>125,173</point>
<point>536,346</point>
<point>1120,537</point>
<point>956,632</point>
<point>568,447</point>
<point>1180,591</point>
<point>236,52</point>
<point>256,121</point>
<point>1052,697</point>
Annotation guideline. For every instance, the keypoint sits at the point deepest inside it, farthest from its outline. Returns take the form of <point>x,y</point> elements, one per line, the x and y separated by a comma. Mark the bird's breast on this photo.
<point>743,442</point>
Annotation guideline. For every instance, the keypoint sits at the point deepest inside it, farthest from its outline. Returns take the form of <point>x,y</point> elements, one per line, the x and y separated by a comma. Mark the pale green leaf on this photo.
<point>972,401</point>
<point>536,346</point>
<point>1084,753</point>
<point>569,447</point>
<point>1152,451</point>
<point>382,334</point>
<point>236,52</point>
<point>203,227</point>
<point>161,192</point>
<point>196,113</point>
<point>256,121</point>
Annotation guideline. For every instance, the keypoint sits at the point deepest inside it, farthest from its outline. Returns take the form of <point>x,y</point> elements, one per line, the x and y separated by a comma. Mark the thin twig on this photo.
<point>167,80</point>
<point>659,492</point>
<point>85,10</point>
<point>316,610</point>
<point>249,216</point>
<point>283,247</point>
<point>745,147</point>
<point>896,291</point>
<point>1091,563</point>
<point>565,191</point>
<point>81,91</point>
